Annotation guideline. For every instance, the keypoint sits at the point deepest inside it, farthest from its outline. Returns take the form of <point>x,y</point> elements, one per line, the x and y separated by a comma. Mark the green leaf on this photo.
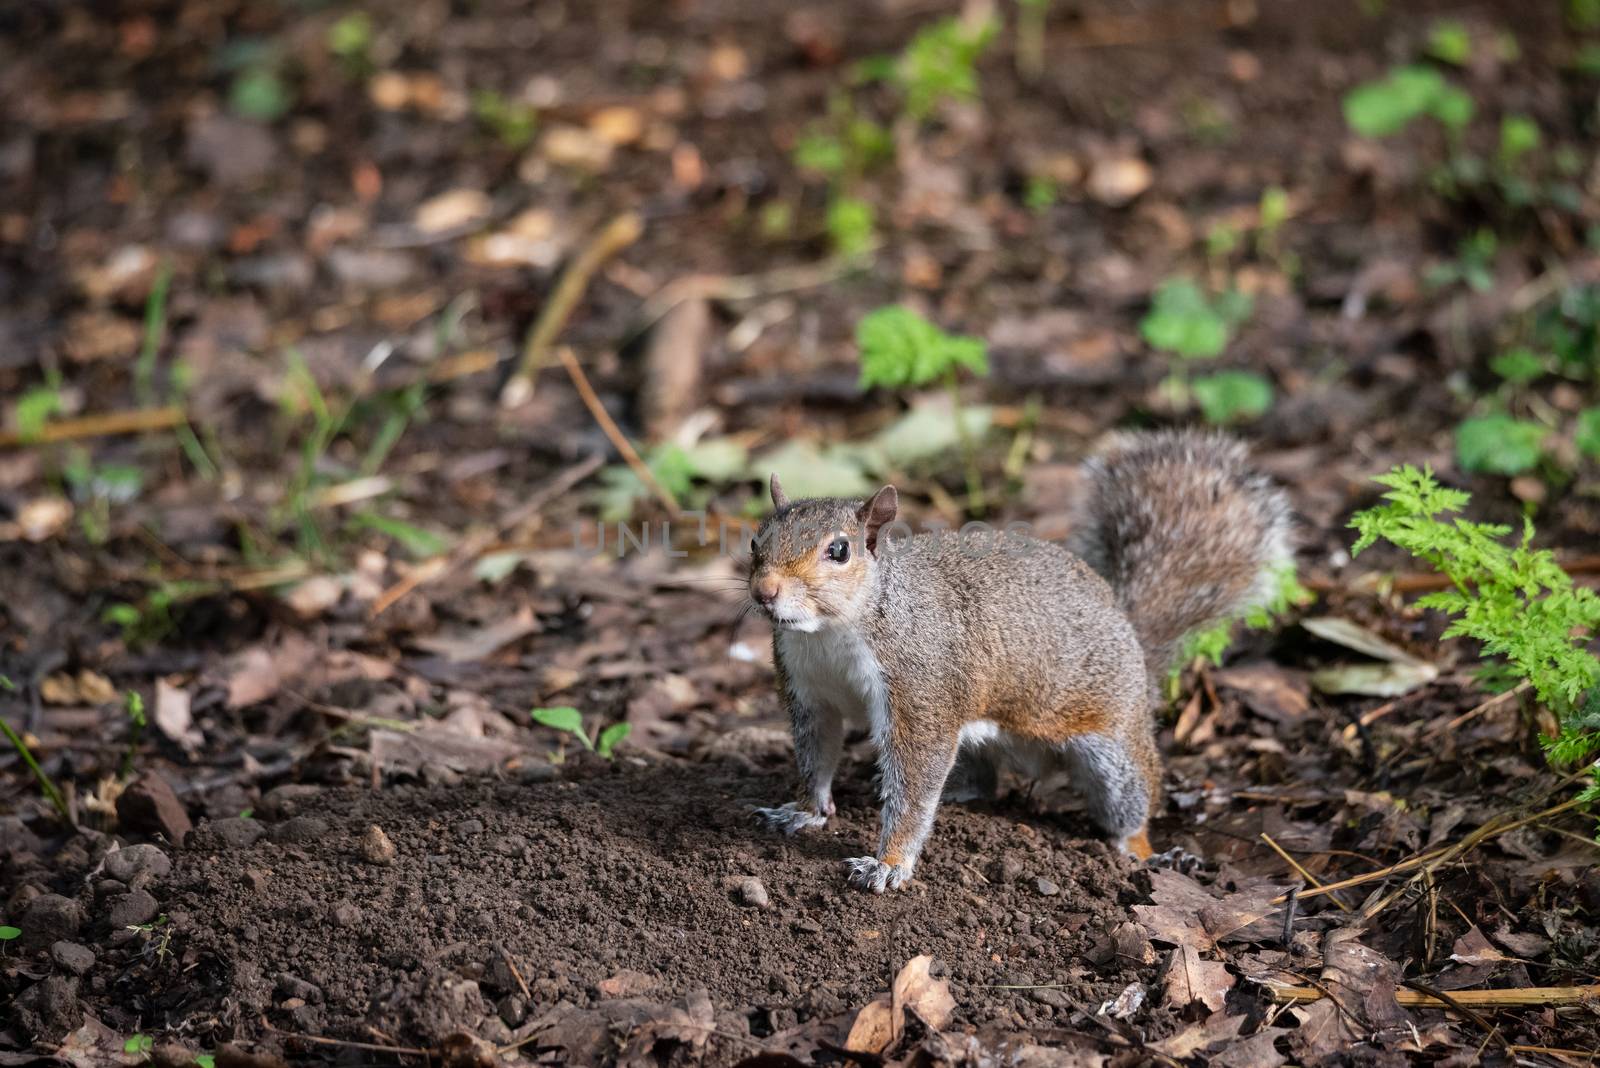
<point>850,225</point>
<point>1588,435</point>
<point>138,1044</point>
<point>1519,366</point>
<point>34,409</point>
<point>206,1060</point>
<point>717,459</point>
<point>562,718</point>
<point>1386,106</point>
<point>417,542</point>
<point>1183,321</point>
<point>1232,396</point>
<point>926,431</point>
<point>1499,445</point>
<point>940,64</point>
<point>351,36</point>
<point>1450,42</point>
<point>259,93</point>
<point>900,348</point>
<point>820,151</point>
<point>807,471</point>
<point>134,702</point>
<point>611,737</point>
<point>1519,135</point>
<point>9,934</point>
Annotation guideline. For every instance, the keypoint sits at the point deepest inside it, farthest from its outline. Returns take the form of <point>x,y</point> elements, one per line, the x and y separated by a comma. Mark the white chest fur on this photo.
<point>833,668</point>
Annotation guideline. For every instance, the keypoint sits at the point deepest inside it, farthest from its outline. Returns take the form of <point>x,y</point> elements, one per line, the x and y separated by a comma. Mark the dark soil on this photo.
<point>633,874</point>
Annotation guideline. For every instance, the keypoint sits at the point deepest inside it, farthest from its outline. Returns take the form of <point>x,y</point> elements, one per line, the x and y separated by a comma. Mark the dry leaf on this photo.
<point>173,717</point>
<point>452,210</point>
<point>1268,690</point>
<point>873,1028</point>
<point>1189,979</point>
<point>480,642</point>
<point>919,992</point>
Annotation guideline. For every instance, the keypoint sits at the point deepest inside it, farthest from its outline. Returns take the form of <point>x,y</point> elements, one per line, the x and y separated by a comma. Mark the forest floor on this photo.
<point>285,570</point>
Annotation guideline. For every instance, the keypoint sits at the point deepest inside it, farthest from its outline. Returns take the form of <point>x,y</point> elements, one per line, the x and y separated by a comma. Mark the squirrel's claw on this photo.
<point>870,873</point>
<point>791,818</point>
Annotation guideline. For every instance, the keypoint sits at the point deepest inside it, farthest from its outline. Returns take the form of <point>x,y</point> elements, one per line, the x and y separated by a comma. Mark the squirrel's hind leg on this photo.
<point>976,775</point>
<point>1119,775</point>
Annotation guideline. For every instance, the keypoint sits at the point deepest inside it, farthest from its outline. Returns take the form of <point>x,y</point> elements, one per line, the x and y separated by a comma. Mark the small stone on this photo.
<point>49,1010</point>
<point>1009,869</point>
<point>231,832</point>
<point>805,925</point>
<point>48,918</point>
<point>376,847</point>
<point>1118,180</point>
<point>149,806</point>
<point>133,908</point>
<point>127,863</point>
<point>1047,995</point>
<point>513,1008</point>
<point>292,986</point>
<point>72,957</point>
<point>1047,887</point>
<point>301,830</point>
<point>468,828</point>
<point>346,915</point>
<point>286,801</point>
<point>453,210</point>
<point>753,893</point>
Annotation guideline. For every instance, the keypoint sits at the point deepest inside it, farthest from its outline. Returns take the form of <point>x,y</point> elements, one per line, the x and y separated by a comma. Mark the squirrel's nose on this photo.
<point>765,590</point>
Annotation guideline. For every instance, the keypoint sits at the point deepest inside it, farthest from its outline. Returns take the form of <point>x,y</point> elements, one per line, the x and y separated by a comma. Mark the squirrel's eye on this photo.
<point>839,550</point>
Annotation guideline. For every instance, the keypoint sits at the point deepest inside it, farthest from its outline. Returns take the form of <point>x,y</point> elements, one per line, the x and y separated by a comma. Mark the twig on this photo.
<point>1475,711</point>
<point>1454,1002</point>
<point>1516,997</point>
<point>1477,837</point>
<point>1482,834</point>
<point>517,975</point>
<point>135,421</point>
<point>346,1043</point>
<point>745,287</point>
<point>591,401</point>
<point>472,546</point>
<point>1295,864</point>
<point>621,232</point>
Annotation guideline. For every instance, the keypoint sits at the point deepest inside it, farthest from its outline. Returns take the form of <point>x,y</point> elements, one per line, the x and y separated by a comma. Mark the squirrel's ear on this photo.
<point>779,499</point>
<point>879,510</point>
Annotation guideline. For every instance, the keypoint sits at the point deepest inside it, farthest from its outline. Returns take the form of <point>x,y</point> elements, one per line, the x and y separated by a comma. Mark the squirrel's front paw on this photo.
<point>870,873</point>
<point>791,818</point>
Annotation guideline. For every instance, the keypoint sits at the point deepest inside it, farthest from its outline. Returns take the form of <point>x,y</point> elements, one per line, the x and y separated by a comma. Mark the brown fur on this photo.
<point>1033,649</point>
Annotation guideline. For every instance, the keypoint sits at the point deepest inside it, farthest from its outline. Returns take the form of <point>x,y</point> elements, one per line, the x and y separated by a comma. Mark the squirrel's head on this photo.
<point>813,561</point>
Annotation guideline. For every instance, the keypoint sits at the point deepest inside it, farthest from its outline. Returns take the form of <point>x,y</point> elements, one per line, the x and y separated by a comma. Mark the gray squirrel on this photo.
<point>1035,653</point>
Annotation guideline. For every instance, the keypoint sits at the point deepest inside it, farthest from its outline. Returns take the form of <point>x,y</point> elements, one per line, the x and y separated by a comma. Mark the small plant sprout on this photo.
<point>1191,326</point>
<point>139,1044</point>
<point>1500,444</point>
<point>9,933</point>
<point>1473,265</point>
<point>1388,105</point>
<point>851,226</point>
<point>940,65</point>
<point>569,720</point>
<point>902,350</point>
<point>1587,436</point>
<point>47,785</point>
<point>1449,42</point>
<point>1514,599</point>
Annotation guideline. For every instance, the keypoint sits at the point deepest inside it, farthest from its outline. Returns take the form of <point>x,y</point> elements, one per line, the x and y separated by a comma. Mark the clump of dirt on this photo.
<point>485,903</point>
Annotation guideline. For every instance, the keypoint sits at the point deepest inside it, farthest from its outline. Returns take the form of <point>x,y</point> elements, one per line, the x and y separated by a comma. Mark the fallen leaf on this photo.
<point>916,990</point>
<point>1188,979</point>
<point>1473,948</point>
<point>1341,631</point>
<point>480,643</point>
<point>1125,1004</point>
<point>1118,180</point>
<point>873,1028</point>
<point>1214,1029</point>
<point>1375,680</point>
<point>259,672</point>
<point>1268,690</point>
<point>173,717</point>
<point>452,210</point>
<point>625,983</point>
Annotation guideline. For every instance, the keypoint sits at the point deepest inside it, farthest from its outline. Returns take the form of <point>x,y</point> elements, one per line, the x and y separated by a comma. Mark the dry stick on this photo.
<point>105,424</point>
<point>1295,864</point>
<point>621,232</point>
<point>516,974</point>
<point>470,547</point>
<point>1482,834</point>
<point>1475,711</point>
<point>591,401</point>
<point>347,1043</point>
<point>1514,998</point>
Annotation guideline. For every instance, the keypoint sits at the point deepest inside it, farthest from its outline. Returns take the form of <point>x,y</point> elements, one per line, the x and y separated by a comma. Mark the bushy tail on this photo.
<point>1184,531</point>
